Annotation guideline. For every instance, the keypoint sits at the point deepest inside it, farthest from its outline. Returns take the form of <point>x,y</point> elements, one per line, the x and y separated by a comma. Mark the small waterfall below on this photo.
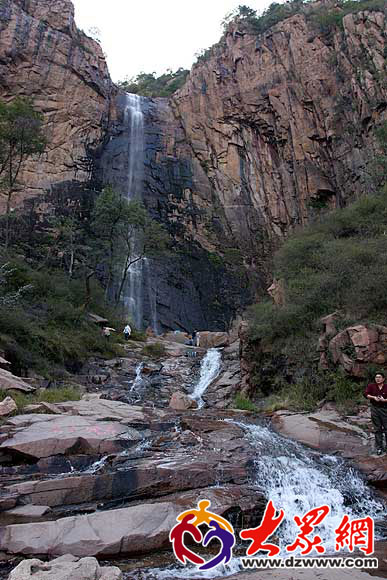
<point>138,379</point>
<point>134,121</point>
<point>209,370</point>
<point>297,480</point>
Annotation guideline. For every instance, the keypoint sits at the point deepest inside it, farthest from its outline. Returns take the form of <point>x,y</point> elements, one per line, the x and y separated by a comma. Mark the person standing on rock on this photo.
<point>195,338</point>
<point>127,332</point>
<point>377,394</point>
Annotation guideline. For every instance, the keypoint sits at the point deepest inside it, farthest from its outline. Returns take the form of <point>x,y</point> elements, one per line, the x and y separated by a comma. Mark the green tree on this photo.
<point>150,85</point>
<point>21,136</point>
<point>125,234</point>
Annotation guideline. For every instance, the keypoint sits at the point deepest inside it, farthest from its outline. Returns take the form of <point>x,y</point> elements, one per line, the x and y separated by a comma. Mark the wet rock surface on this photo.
<point>329,432</point>
<point>106,478</point>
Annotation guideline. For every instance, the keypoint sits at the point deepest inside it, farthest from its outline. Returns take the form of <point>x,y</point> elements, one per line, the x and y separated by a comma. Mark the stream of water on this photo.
<point>209,370</point>
<point>296,479</point>
<point>134,120</point>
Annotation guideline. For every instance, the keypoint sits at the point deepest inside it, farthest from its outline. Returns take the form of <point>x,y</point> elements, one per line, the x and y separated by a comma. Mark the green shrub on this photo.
<point>244,404</point>
<point>52,395</point>
<point>48,327</point>
<point>148,85</point>
<point>340,263</point>
<point>154,350</point>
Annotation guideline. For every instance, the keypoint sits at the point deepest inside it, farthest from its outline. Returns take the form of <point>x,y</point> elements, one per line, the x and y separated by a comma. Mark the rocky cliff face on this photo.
<point>273,126</point>
<point>44,56</point>
<point>267,131</point>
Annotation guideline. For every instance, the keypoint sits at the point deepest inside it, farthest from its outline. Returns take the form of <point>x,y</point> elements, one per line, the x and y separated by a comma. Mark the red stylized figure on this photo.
<point>306,523</point>
<point>358,533</point>
<point>258,535</point>
<point>176,537</point>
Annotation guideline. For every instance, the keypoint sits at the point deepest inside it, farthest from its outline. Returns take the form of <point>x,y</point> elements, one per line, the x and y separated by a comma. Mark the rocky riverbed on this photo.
<point>106,476</point>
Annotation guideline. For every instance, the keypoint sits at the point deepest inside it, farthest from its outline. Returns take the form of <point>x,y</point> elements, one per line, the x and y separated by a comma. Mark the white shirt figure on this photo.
<point>127,330</point>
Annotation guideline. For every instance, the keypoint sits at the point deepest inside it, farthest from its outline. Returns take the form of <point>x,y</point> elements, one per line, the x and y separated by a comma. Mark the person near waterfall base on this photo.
<point>127,332</point>
<point>377,394</point>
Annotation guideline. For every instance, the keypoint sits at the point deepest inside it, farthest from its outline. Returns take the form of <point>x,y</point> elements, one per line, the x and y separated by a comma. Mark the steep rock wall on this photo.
<point>44,56</point>
<point>275,126</point>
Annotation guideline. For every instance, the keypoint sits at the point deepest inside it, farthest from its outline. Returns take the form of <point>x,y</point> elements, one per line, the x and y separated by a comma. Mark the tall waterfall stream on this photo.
<point>134,120</point>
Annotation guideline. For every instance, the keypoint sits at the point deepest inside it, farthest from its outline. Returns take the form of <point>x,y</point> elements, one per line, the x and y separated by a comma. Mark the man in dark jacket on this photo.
<point>377,394</point>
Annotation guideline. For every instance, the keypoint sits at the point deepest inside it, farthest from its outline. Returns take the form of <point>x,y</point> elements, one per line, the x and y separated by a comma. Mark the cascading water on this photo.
<point>134,120</point>
<point>296,479</point>
<point>138,378</point>
<point>209,370</point>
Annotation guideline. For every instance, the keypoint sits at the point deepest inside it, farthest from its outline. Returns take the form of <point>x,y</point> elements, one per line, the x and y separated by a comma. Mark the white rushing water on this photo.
<point>297,480</point>
<point>209,370</point>
<point>134,120</point>
<point>137,383</point>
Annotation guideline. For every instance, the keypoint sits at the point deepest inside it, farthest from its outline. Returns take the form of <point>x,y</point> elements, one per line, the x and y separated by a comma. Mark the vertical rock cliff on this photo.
<point>44,56</point>
<point>273,126</point>
<point>269,130</point>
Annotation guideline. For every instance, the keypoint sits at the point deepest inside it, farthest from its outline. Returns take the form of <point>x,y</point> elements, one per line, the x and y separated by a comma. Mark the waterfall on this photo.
<point>297,480</point>
<point>209,370</point>
<point>134,120</point>
<point>138,379</point>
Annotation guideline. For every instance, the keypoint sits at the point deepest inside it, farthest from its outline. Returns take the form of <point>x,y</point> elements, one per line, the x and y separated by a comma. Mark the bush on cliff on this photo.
<point>149,85</point>
<point>325,16</point>
<point>340,263</point>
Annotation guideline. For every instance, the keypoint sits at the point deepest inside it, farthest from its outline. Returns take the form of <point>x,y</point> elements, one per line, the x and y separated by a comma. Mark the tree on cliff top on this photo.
<point>21,136</point>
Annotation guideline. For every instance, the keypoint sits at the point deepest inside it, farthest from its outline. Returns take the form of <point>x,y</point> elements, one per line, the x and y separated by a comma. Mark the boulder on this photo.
<point>46,435</point>
<point>97,319</point>
<point>7,406</point>
<point>182,402</point>
<point>9,381</point>
<point>354,348</point>
<point>277,292</point>
<point>42,407</point>
<point>213,339</point>
<point>179,337</point>
<point>4,363</point>
<point>66,567</point>
<point>328,432</point>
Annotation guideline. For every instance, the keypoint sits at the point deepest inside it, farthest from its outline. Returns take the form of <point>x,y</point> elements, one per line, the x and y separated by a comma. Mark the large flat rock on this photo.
<point>132,530</point>
<point>38,436</point>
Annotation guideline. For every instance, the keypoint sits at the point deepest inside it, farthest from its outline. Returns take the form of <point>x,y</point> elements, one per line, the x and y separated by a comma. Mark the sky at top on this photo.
<point>154,35</point>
